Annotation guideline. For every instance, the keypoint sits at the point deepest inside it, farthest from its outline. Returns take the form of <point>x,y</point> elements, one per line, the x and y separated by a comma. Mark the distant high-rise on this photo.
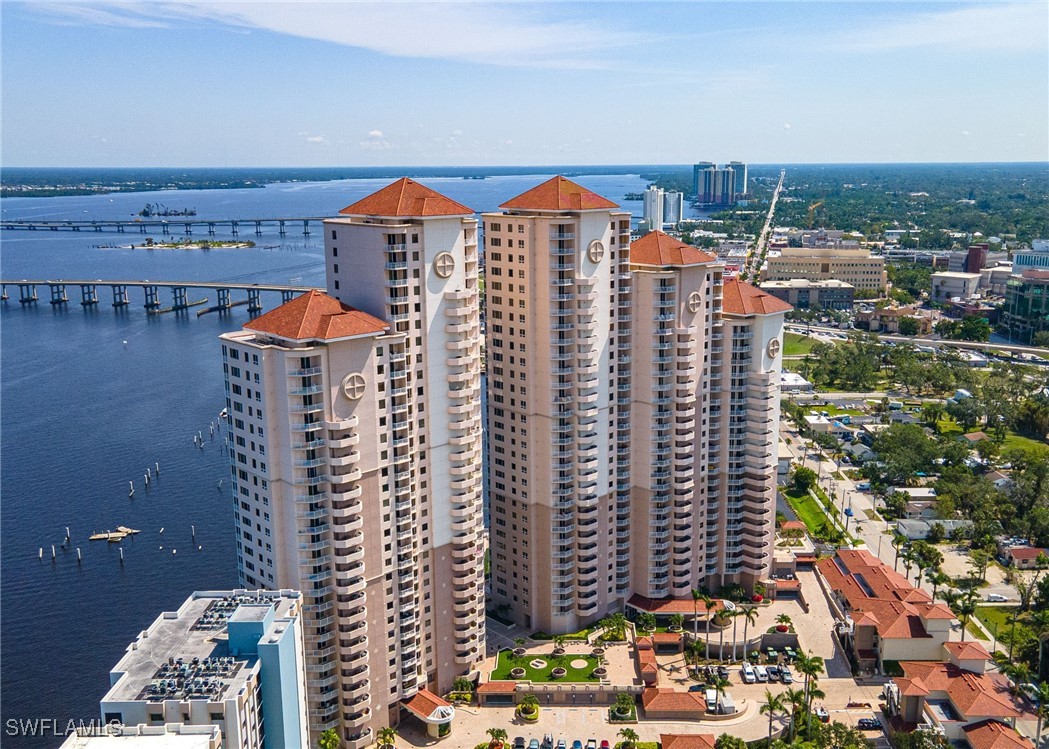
<point>356,458</point>
<point>740,170</point>
<point>653,208</point>
<point>719,186</point>
<point>632,415</point>
<point>673,208</point>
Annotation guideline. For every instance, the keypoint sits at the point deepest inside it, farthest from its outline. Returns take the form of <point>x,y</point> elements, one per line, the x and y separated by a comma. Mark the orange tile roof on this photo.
<point>691,741</point>
<point>794,525</point>
<point>967,651</point>
<point>740,298</point>
<point>972,694</point>
<point>406,197</point>
<point>672,605</point>
<point>657,248</point>
<point>991,734</point>
<point>315,315</point>
<point>558,194</point>
<point>425,702</point>
<point>655,698</point>
<point>666,638</point>
<point>497,687</point>
<point>1025,552</point>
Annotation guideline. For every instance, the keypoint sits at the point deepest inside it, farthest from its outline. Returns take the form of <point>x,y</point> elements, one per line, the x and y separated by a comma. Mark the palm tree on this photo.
<point>965,608</point>
<point>711,604</point>
<point>1042,711</point>
<point>815,693</point>
<point>728,741</point>
<point>1018,672</point>
<point>386,736</point>
<point>736,614</point>
<point>329,739</point>
<point>559,642</point>
<point>796,699</point>
<point>498,736</point>
<point>529,705</point>
<point>721,635</point>
<point>783,619</point>
<point>676,620</point>
<point>1038,621</point>
<point>750,616</point>
<point>629,736</point>
<point>772,705</point>
<point>811,666</point>
<point>697,596</point>
<point>937,578</point>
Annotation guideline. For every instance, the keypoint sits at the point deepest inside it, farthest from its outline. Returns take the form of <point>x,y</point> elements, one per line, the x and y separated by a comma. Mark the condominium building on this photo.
<point>557,274</point>
<point>673,208</point>
<point>607,365</point>
<point>652,209</point>
<point>740,171</point>
<point>222,661</point>
<point>356,448</point>
<point>856,267</point>
<point>719,186</point>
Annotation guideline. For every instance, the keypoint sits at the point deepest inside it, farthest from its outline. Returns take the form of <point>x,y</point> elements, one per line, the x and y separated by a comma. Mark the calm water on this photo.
<point>83,414</point>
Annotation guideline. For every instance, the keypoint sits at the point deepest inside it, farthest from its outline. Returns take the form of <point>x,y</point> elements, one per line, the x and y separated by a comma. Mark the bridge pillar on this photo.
<point>98,227</point>
<point>233,227</point>
<point>26,293</point>
<point>120,228</point>
<point>142,228</point>
<point>254,301</point>
<point>178,294</point>
<point>152,297</point>
<point>75,227</point>
<point>3,293</point>
<point>58,293</point>
<point>53,228</point>
<point>211,228</point>
<point>223,295</point>
<point>258,228</point>
<point>306,228</point>
<point>164,228</point>
<point>88,294</point>
<point>286,295</point>
<point>282,228</point>
<point>120,296</point>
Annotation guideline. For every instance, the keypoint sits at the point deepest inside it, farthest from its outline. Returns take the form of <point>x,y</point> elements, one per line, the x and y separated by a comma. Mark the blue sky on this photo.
<point>459,83</point>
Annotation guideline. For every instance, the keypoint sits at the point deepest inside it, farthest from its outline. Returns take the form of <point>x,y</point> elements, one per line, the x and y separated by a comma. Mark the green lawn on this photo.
<point>949,426</point>
<point>998,616</point>
<point>807,509</point>
<point>835,411</point>
<point>507,662</point>
<point>796,344</point>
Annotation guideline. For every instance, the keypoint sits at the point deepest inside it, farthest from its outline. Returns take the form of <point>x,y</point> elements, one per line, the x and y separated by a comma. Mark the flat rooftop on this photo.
<point>185,654</point>
<point>150,737</point>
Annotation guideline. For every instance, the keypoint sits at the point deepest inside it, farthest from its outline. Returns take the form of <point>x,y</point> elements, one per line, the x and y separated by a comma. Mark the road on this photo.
<point>932,342</point>
<point>754,256</point>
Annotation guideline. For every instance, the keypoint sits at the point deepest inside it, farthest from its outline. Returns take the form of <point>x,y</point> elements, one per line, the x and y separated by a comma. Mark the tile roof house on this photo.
<point>993,734</point>
<point>1025,557</point>
<point>316,316</point>
<point>707,741</point>
<point>882,617</point>
<point>657,248</point>
<point>670,704</point>
<point>949,699</point>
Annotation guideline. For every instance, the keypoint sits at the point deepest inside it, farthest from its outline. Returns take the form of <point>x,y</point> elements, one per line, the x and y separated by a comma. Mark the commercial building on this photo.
<point>887,320</point>
<point>223,660</point>
<point>626,382</point>
<point>951,285</point>
<point>356,459</point>
<point>1036,257</point>
<point>856,267</point>
<point>1026,309</point>
<point>805,294</point>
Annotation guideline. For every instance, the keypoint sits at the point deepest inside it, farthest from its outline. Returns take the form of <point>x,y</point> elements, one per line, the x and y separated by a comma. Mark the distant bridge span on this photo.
<point>174,224</point>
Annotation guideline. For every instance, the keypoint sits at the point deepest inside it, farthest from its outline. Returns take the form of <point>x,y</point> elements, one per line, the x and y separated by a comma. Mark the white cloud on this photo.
<point>375,134</point>
<point>786,126</point>
<point>996,26</point>
<point>515,35</point>
<point>966,133</point>
<point>316,140</point>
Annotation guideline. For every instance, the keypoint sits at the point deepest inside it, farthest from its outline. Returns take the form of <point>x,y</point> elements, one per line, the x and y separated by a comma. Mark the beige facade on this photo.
<point>616,405</point>
<point>362,485</point>
<point>857,268</point>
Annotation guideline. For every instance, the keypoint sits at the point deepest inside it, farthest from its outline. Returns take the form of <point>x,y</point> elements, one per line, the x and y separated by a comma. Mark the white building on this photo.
<point>357,459</point>
<point>1036,257</point>
<point>673,209</point>
<point>231,660</point>
<point>653,209</point>
<point>951,285</point>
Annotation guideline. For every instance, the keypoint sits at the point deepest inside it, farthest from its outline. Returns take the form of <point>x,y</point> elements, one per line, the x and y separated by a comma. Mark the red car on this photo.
<point>604,744</point>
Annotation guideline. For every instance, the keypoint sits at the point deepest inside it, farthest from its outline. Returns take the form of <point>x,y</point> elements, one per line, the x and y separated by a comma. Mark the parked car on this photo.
<point>773,672</point>
<point>723,672</point>
<point>1031,692</point>
<point>761,673</point>
<point>577,744</point>
<point>605,744</point>
<point>785,675</point>
<point>591,744</point>
<point>519,742</point>
<point>821,713</point>
<point>533,744</point>
<point>561,744</point>
<point>868,724</point>
<point>697,688</point>
<point>747,672</point>
<point>997,598</point>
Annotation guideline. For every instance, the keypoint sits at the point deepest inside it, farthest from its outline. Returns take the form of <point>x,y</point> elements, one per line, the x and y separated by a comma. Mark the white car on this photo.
<point>996,598</point>
<point>747,671</point>
<point>761,674</point>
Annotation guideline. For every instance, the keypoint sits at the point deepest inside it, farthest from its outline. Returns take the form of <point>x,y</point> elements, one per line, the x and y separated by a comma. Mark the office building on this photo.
<point>653,209</point>
<point>1036,257</point>
<point>1026,309</point>
<point>356,449</point>
<point>225,660</point>
<point>673,208</point>
<point>856,267</point>
<point>805,294</point>
<point>606,360</point>
<point>950,285</point>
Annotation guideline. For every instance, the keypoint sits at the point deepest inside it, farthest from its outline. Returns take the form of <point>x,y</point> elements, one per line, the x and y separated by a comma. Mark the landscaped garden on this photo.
<point>541,667</point>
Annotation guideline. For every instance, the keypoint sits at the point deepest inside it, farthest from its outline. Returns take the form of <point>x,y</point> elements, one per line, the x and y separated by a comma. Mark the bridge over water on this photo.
<point>27,293</point>
<point>183,225</point>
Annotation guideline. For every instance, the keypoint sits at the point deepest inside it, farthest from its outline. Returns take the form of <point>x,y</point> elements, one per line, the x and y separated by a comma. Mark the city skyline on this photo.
<point>215,96</point>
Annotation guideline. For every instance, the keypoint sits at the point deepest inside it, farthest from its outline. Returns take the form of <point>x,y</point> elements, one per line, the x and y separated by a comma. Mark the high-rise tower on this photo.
<point>357,460</point>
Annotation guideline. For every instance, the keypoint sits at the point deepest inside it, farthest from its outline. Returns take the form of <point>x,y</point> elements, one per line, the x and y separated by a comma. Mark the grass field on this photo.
<point>795,344</point>
<point>949,426</point>
<point>507,662</point>
<point>998,616</point>
<point>807,509</point>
